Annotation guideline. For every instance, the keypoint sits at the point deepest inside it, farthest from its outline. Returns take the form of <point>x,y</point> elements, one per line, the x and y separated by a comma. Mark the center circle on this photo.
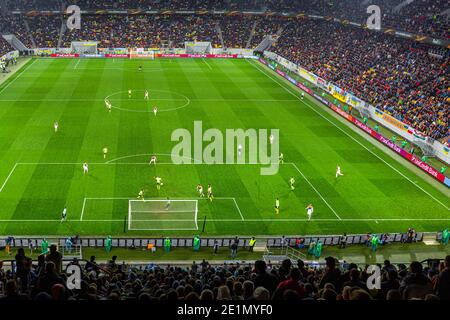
<point>164,100</point>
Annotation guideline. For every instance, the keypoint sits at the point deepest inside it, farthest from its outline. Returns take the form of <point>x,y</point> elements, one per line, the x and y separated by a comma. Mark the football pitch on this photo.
<point>41,170</point>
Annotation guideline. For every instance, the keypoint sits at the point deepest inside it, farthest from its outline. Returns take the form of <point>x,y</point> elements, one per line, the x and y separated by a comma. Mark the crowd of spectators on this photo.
<point>5,47</point>
<point>15,24</point>
<point>45,30</point>
<point>45,280</point>
<point>406,79</point>
<point>420,16</point>
<point>148,31</point>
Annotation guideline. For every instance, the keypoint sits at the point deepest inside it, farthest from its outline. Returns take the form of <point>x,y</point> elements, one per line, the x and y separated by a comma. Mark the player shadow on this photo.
<point>336,182</point>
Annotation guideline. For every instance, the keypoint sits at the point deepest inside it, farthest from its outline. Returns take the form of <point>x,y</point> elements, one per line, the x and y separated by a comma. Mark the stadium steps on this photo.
<point>14,42</point>
<point>399,7</point>
<point>252,33</point>
<point>219,33</point>
<point>430,239</point>
<point>27,27</point>
<point>62,31</point>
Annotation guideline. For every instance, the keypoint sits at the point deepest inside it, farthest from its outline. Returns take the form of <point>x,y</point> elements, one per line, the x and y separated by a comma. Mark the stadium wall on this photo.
<point>11,54</point>
<point>387,142</point>
<point>126,242</point>
<point>158,52</point>
<point>400,128</point>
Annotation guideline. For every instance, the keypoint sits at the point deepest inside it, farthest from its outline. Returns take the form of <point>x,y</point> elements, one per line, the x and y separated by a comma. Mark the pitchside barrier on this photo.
<point>329,240</point>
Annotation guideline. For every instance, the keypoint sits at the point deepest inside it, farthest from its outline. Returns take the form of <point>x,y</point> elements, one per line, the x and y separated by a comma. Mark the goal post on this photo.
<point>162,214</point>
<point>84,47</point>
<point>194,47</point>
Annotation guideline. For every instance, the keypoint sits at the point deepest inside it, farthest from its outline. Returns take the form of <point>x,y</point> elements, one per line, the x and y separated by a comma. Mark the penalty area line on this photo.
<point>7,178</point>
<point>203,59</point>
<point>238,220</point>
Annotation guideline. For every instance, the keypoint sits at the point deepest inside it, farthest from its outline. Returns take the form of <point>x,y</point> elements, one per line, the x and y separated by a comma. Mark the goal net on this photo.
<point>84,47</point>
<point>162,215</point>
<point>197,47</point>
<point>141,53</point>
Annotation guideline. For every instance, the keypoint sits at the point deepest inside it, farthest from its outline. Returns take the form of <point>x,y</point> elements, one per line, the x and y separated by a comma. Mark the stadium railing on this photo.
<point>142,242</point>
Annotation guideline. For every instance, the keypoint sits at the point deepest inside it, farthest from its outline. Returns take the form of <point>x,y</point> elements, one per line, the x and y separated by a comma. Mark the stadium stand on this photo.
<point>396,75</point>
<point>5,47</point>
<point>44,280</point>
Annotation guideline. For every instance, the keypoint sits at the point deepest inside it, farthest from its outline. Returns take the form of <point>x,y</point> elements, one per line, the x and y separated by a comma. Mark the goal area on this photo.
<point>162,214</point>
<point>84,47</point>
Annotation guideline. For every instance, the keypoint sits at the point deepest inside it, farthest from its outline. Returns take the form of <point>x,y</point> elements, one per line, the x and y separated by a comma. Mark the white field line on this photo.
<point>82,209</point>
<point>162,211</point>
<point>76,64</point>
<point>318,193</point>
<point>163,229</point>
<point>7,178</point>
<point>239,210</point>
<point>240,220</point>
<point>196,215</point>
<point>154,99</point>
<point>288,89</point>
<point>18,76</point>
<point>207,63</point>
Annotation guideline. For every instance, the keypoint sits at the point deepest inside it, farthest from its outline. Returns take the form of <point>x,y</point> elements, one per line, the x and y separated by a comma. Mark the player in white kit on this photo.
<point>152,160</point>
<point>338,172</point>
<point>105,152</point>
<point>309,211</point>
<point>108,105</point>
<point>239,150</point>
<point>200,191</point>
<point>146,95</point>
<point>85,168</point>
<point>271,139</point>
<point>155,110</point>
<point>55,126</point>
<point>64,215</point>
<point>167,205</point>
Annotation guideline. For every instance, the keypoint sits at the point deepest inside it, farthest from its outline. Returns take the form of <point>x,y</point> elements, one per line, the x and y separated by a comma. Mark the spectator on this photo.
<point>48,279</point>
<point>11,292</point>
<point>261,294</point>
<point>55,257</point>
<point>264,279</point>
<point>415,284</point>
<point>443,284</point>
<point>331,275</point>
<point>293,283</point>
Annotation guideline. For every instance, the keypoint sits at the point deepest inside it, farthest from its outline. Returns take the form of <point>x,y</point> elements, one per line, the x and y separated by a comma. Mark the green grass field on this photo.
<point>41,171</point>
